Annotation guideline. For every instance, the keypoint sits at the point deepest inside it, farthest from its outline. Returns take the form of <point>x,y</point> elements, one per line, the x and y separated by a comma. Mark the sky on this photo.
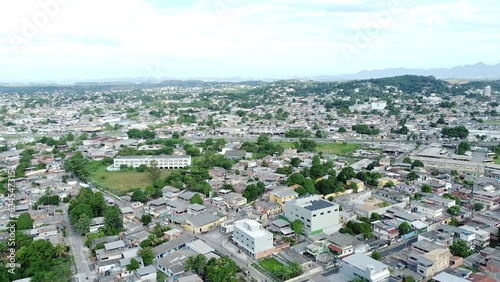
<point>88,40</point>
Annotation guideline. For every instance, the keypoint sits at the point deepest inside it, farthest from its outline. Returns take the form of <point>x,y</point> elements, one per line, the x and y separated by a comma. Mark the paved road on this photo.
<point>79,252</point>
<point>222,245</point>
<point>398,247</point>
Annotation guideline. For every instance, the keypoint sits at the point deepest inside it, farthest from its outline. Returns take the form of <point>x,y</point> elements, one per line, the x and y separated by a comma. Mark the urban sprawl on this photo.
<point>391,179</point>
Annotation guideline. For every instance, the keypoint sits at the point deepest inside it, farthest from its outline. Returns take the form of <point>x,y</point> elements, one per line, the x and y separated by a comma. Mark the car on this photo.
<point>400,266</point>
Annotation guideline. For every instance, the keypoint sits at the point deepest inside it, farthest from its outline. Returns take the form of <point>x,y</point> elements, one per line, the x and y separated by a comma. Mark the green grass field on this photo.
<point>340,149</point>
<point>270,264</point>
<point>492,121</point>
<point>122,182</point>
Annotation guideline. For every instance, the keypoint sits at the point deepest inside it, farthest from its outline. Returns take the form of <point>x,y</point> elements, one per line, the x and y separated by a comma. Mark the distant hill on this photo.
<point>476,71</point>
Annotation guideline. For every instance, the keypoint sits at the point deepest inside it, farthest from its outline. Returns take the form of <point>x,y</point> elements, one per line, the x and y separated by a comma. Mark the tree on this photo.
<point>147,255</point>
<point>454,222</point>
<point>412,176</point>
<point>301,191</point>
<point>113,222</point>
<point>295,162</point>
<point>404,228</point>
<point>342,130</point>
<point>478,207</point>
<point>389,184</point>
<point>133,265</point>
<point>196,199</point>
<point>407,160</point>
<point>24,221</point>
<point>376,256</point>
<point>139,196</point>
<point>460,248</point>
<point>146,219</point>
<point>297,226</point>
<point>296,178</point>
<point>83,224</point>
<point>375,216</point>
<point>221,270</point>
<point>463,147</point>
<point>408,279</point>
<point>417,163</point>
<point>345,174</point>
<point>453,210</point>
<point>153,171</point>
<point>426,188</point>
<point>309,186</point>
<point>197,264</point>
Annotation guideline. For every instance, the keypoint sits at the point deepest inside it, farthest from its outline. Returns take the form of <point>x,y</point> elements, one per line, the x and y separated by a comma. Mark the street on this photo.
<point>78,250</point>
<point>222,245</point>
<point>398,247</point>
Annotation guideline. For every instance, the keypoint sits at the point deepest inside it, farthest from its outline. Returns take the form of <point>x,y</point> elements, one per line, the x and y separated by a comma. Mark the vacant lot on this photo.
<point>270,264</point>
<point>488,121</point>
<point>122,182</point>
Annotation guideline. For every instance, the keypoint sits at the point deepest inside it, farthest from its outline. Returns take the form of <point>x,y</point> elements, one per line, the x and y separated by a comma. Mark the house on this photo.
<point>316,213</point>
<point>249,235</point>
<point>202,222</point>
<point>281,227</point>
<point>362,266</point>
<point>173,264</point>
<point>172,245</point>
<point>360,185</point>
<point>96,223</point>
<point>282,196</point>
<point>270,209</point>
<point>343,245</point>
<point>446,277</point>
<point>199,247</point>
<point>146,273</point>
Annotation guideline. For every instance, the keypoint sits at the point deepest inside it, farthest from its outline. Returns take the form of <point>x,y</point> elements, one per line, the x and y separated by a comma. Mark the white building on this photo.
<point>487,91</point>
<point>161,161</point>
<point>378,106</point>
<point>316,214</point>
<point>251,237</point>
<point>362,266</point>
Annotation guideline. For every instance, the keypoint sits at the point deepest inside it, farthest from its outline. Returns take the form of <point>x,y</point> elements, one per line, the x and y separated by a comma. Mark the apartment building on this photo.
<point>430,263</point>
<point>256,241</point>
<point>317,214</point>
<point>160,161</point>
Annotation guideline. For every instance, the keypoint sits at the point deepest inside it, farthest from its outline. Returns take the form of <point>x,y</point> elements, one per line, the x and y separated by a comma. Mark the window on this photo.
<point>308,220</point>
<point>322,213</point>
<point>329,211</point>
<point>314,215</point>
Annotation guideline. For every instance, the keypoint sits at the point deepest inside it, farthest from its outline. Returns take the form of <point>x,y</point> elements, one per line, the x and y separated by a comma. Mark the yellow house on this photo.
<point>203,222</point>
<point>359,184</point>
<point>282,196</point>
<point>384,180</point>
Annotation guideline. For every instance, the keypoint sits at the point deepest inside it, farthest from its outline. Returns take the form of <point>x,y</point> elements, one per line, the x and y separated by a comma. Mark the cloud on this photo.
<point>106,38</point>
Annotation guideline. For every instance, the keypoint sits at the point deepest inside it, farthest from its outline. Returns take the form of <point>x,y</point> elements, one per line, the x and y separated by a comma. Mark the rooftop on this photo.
<point>362,262</point>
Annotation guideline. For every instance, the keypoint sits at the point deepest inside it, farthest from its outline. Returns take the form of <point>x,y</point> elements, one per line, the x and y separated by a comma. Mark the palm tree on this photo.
<point>197,264</point>
<point>60,250</point>
<point>296,269</point>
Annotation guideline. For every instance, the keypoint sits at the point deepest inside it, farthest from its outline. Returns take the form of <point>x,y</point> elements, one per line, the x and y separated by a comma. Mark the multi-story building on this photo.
<point>364,267</point>
<point>430,263</point>
<point>256,241</point>
<point>160,161</point>
<point>481,238</point>
<point>317,214</point>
